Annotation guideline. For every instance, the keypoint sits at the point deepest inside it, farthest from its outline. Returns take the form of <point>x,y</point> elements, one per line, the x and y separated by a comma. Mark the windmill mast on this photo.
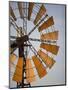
<point>24,31</point>
<point>23,48</point>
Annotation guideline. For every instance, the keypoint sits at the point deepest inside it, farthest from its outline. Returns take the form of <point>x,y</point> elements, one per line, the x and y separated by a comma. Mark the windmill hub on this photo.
<point>21,40</point>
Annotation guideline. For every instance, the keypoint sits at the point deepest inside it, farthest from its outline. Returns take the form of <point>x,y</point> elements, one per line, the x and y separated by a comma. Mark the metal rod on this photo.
<point>13,37</point>
<point>13,50</point>
<point>42,41</point>
<point>37,24</point>
<point>17,28</point>
<point>15,25</point>
<point>35,52</point>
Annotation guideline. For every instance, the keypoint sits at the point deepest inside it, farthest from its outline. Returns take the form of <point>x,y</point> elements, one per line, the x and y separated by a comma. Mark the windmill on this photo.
<point>24,71</point>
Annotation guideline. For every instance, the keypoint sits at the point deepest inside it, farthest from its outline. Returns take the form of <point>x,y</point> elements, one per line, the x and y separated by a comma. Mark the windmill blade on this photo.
<point>51,48</point>
<point>31,5</point>
<point>29,71</point>
<point>20,7</point>
<point>46,59</point>
<point>46,24</point>
<point>39,67</point>
<point>12,57</point>
<point>40,14</point>
<point>12,13</point>
<point>18,71</point>
<point>50,36</point>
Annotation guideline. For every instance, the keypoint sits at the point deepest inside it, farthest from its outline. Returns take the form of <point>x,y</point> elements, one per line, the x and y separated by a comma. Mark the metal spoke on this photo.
<point>35,53</point>
<point>14,23</point>
<point>42,41</point>
<point>15,27</point>
<point>13,47</point>
<point>13,37</point>
<point>37,24</point>
<point>13,50</point>
<point>32,48</point>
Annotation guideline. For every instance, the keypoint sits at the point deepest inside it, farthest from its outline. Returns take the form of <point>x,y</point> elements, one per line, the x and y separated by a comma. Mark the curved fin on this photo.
<point>39,66</point>
<point>46,24</point>
<point>51,48</point>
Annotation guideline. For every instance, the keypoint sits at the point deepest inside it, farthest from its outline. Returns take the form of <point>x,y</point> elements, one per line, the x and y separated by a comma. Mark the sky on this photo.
<point>56,75</point>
